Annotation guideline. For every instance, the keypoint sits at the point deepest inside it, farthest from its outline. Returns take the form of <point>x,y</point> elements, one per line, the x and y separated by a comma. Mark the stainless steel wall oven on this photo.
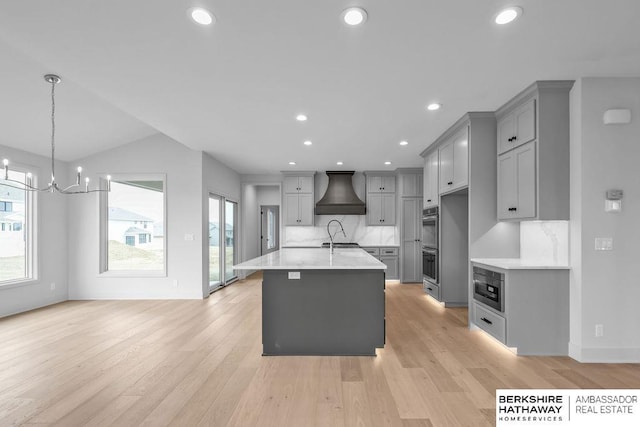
<point>430,261</point>
<point>430,265</point>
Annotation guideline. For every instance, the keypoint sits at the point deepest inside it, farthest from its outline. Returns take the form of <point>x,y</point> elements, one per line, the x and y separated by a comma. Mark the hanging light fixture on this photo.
<point>52,187</point>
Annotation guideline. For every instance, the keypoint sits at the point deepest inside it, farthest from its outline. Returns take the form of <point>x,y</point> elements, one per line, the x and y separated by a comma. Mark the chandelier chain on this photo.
<point>53,129</point>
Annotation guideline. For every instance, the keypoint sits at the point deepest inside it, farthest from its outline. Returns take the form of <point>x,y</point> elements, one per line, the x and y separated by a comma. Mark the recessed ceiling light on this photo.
<point>339,163</point>
<point>292,163</point>
<point>508,15</point>
<point>404,143</point>
<point>433,106</point>
<point>201,16</point>
<point>387,163</point>
<point>301,117</point>
<point>354,16</point>
<point>307,143</point>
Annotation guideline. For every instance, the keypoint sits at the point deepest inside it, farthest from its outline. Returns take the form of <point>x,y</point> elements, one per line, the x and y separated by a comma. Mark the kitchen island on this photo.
<point>315,302</point>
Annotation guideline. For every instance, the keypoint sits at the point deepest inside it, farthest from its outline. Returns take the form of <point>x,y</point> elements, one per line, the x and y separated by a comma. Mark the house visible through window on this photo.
<point>15,231</point>
<point>133,225</point>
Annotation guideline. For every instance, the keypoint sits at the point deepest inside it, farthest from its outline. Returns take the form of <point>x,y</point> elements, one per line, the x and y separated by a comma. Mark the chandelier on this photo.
<point>52,187</point>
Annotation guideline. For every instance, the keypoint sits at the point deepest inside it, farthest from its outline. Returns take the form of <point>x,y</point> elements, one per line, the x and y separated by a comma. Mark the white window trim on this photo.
<point>103,206</point>
<point>31,230</point>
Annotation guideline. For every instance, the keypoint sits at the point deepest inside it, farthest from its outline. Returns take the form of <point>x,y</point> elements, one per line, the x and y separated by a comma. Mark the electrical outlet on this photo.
<point>53,286</point>
<point>604,243</point>
<point>599,330</point>
<point>175,283</point>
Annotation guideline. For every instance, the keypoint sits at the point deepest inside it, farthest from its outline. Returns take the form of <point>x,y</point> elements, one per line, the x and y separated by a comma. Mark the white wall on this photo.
<point>255,195</point>
<point>605,288</point>
<point>269,195</point>
<point>251,185</point>
<point>157,154</point>
<point>51,241</point>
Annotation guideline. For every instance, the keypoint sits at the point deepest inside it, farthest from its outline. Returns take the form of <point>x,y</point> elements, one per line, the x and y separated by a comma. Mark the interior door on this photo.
<point>269,229</point>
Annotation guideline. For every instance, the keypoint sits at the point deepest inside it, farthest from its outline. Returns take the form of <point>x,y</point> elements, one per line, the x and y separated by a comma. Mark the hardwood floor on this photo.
<point>197,363</point>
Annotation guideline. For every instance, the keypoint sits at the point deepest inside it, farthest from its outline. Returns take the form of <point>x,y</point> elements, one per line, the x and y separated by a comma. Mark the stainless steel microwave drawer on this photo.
<point>491,322</point>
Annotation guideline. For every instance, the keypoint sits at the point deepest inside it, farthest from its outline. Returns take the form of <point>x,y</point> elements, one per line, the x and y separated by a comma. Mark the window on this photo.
<point>16,243</point>
<point>126,247</point>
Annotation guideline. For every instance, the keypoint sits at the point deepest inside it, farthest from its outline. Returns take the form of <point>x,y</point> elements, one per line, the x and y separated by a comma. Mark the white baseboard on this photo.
<point>604,355</point>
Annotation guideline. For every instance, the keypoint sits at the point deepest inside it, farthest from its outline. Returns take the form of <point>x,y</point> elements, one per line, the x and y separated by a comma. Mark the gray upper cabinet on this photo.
<point>298,184</point>
<point>533,153</point>
<point>410,184</point>
<point>430,179</point>
<point>516,183</point>
<point>298,199</point>
<point>518,127</point>
<point>381,209</point>
<point>381,198</point>
<point>381,184</point>
<point>454,162</point>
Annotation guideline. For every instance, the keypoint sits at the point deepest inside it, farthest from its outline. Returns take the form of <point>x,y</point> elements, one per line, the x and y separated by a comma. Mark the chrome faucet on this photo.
<point>332,236</point>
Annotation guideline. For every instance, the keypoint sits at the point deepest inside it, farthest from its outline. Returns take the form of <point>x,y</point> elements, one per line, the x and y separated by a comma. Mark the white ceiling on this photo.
<point>233,89</point>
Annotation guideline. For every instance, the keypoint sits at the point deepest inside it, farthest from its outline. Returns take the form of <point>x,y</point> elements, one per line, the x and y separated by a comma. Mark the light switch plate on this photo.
<point>189,237</point>
<point>604,243</point>
<point>294,275</point>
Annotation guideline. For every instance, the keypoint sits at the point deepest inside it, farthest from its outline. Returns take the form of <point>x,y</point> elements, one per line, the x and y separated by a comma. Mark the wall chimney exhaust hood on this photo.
<point>340,198</point>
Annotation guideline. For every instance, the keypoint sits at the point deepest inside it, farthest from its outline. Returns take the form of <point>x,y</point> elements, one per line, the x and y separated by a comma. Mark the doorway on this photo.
<point>269,229</point>
<point>223,231</point>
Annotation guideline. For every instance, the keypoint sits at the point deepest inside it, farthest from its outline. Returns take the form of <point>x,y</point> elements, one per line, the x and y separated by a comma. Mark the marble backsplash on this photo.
<point>354,226</point>
<point>545,242</point>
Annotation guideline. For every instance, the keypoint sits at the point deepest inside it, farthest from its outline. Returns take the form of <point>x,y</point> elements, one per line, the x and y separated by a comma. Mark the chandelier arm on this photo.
<point>83,192</point>
<point>69,187</point>
<point>23,185</point>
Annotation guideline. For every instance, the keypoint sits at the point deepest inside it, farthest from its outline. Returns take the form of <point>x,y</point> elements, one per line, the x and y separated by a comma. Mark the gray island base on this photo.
<point>321,302</point>
<point>324,312</point>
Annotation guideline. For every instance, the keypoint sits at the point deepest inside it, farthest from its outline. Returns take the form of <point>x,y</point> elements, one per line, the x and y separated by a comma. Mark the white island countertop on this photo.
<point>313,259</point>
<point>518,264</point>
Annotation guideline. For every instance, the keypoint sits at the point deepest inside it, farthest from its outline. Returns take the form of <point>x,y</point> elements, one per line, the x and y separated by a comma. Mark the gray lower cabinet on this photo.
<point>535,319</point>
<point>431,289</point>
<point>389,256</point>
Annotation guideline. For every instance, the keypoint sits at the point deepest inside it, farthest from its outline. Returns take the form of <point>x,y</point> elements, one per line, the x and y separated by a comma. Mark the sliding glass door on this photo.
<point>230,215</point>
<point>223,221</point>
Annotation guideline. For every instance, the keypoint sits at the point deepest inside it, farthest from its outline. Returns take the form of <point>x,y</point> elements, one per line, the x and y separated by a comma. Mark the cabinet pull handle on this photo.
<point>513,209</point>
<point>428,200</point>
<point>450,183</point>
<point>431,289</point>
<point>515,138</point>
<point>486,320</point>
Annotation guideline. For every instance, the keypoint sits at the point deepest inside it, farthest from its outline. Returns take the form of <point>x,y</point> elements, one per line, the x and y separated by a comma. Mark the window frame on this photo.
<point>30,228</point>
<point>103,239</point>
